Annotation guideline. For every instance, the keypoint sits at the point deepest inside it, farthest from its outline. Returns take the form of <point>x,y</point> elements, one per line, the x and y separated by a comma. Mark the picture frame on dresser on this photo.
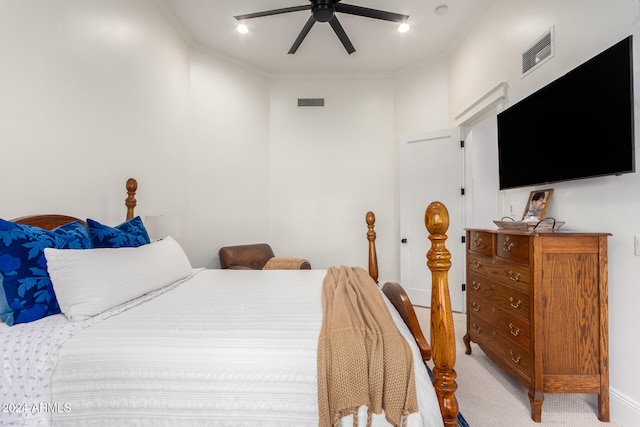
<point>537,205</point>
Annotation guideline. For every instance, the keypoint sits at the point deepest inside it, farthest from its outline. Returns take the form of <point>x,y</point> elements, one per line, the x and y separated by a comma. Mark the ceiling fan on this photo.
<point>324,11</point>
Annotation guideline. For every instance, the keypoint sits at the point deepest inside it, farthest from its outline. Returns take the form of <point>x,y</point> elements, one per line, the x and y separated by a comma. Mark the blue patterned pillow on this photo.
<point>26,293</point>
<point>129,234</point>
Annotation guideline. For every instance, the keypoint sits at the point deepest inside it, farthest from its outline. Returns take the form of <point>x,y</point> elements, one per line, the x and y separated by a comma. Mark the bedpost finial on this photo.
<point>436,218</point>
<point>370,218</point>
<point>132,185</point>
<point>131,202</point>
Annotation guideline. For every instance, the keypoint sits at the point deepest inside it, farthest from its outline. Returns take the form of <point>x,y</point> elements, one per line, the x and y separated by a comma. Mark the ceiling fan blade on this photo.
<point>272,12</point>
<point>302,35</point>
<point>335,24</point>
<point>371,13</point>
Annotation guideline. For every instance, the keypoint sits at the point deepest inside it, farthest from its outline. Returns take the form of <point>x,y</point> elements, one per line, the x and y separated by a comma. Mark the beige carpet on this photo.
<point>490,398</point>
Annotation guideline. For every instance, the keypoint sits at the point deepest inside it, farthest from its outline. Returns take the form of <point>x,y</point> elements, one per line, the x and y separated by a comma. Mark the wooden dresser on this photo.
<point>537,306</point>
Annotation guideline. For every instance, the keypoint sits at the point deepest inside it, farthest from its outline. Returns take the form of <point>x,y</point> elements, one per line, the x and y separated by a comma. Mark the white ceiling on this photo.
<point>380,48</point>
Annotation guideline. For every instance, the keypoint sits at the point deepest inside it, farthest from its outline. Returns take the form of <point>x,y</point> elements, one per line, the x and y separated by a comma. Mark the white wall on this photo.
<point>422,99</point>
<point>228,151</point>
<point>329,166</point>
<point>91,94</point>
<point>491,54</point>
<point>96,92</point>
<point>481,178</point>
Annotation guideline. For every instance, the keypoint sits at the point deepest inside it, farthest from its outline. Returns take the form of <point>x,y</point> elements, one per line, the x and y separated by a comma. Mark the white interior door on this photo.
<point>431,169</point>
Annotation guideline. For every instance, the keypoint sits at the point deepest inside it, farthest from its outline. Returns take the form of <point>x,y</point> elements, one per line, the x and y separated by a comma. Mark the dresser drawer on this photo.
<point>500,271</point>
<point>514,355</point>
<point>516,329</point>
<point>505,298</point>
<point>485,334</point>
<point>513,247</point>
<point>480,307</point>
<point>481,242</point>
<point>480,264</point>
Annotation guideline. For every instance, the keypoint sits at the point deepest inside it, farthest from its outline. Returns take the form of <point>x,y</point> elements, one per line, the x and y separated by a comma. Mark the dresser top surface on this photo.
<point>539,233</point>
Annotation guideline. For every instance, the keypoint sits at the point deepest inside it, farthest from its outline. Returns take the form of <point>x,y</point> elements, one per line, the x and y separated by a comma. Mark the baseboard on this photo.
<point>624,411</point>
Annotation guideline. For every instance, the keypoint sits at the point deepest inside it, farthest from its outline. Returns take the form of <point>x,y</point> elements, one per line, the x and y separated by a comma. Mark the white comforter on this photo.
<point>225,348</point>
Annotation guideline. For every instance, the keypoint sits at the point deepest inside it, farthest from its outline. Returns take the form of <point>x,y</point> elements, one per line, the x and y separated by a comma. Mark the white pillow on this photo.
<point>89,281</point>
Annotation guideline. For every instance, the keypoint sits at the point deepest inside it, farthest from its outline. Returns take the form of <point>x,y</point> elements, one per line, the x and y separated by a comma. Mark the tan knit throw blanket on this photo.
<point>362,357</point>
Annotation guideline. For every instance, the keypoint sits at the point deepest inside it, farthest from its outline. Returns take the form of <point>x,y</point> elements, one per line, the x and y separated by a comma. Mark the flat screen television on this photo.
<point>579,126</point>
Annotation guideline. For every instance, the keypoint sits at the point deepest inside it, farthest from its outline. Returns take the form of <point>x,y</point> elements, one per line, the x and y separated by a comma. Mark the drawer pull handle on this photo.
<point>514,358</point>
<point>476,285</point>
<point>507,246</point>
<point>475,306</point>
<point>513,275</point>
<point>476,263</point>
<point>514,303</point>
<point>477,241</point>
<point>477,329</point>
<point>514,331</point>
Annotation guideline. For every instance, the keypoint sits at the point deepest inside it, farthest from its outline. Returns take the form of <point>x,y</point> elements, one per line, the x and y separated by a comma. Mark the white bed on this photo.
<point>224,348</point>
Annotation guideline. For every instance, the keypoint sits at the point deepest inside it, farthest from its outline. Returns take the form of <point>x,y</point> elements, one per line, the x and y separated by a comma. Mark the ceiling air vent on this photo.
<point>538,53</point>
<point>310,102</point>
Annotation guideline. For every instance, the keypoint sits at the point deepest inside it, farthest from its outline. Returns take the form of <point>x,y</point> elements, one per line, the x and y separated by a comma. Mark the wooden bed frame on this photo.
<point>443,345</point>
<point>442,349</point>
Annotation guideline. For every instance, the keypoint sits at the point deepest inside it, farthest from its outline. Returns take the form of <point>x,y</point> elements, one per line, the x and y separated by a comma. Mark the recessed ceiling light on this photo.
<point>403,28</point>
<point>242,28</point>
<point>441,10</point>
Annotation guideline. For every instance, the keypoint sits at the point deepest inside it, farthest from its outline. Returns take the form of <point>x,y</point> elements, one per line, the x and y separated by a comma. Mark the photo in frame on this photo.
<point>537,205</point>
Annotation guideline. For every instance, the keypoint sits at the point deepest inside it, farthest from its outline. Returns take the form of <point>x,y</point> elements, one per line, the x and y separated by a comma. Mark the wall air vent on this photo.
<point>310,102</point>
<point>538,53</point>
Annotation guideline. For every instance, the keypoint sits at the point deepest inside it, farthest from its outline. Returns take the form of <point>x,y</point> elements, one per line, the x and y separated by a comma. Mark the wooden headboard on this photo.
<point>51,221</point>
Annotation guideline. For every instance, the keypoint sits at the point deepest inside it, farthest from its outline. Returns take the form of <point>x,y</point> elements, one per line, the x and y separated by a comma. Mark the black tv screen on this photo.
<point>579,126</point>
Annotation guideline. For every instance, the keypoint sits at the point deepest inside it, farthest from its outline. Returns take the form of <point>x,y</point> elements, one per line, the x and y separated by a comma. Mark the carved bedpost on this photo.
<point>436,219</point>
<point>130,201</point>
<point>371,237</point>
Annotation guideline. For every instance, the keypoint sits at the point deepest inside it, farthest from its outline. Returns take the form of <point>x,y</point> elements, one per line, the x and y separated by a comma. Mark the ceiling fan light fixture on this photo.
<point>326,11</point>
<point>323,11</point>
<point>242,28</point>
<point>404,27</point>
